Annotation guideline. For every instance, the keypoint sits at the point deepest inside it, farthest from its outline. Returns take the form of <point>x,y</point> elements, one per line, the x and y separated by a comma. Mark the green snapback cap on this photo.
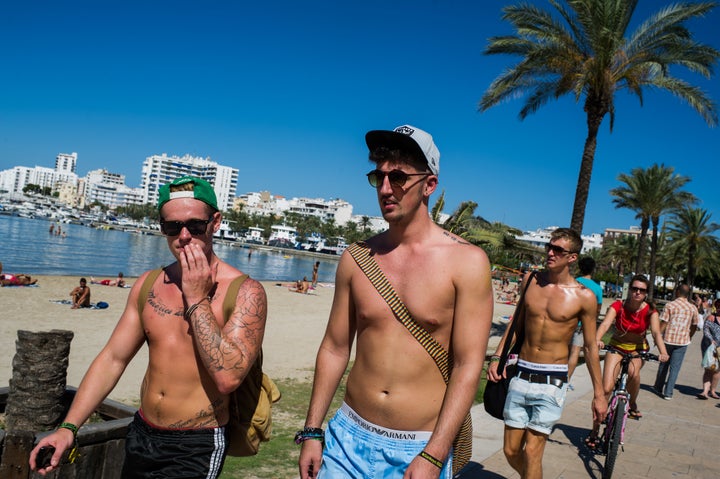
<point>202,190</point>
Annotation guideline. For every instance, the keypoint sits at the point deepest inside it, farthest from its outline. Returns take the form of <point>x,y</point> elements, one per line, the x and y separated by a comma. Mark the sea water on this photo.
<point>28,246</point>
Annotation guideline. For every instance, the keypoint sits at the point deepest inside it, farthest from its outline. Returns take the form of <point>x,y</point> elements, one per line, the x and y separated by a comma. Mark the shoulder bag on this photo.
<point>250,405</point>
<point>495,393</point>
<point>462,445</point>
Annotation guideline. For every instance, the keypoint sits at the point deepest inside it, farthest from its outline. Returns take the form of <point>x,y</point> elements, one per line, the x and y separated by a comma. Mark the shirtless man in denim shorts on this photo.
<point>554,303</point>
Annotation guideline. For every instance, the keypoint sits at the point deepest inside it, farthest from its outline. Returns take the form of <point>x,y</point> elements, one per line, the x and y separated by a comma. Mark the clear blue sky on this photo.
<point>285,91</point>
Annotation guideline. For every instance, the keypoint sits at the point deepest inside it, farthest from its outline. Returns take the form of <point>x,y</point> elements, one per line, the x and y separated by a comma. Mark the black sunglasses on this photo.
<point>195,227</point>
<point>397,178</point>
<point>558,250</point>
<point>635,289</point>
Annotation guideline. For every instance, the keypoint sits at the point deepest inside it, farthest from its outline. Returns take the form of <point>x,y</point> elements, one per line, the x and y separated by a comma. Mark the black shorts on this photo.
<point>151,452</point>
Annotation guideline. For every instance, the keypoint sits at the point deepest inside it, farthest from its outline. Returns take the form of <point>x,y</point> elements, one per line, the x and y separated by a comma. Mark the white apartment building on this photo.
<point>15,179</point>
<point>110,189</point>
<point>265,204</point>
<point>66,162</point>
<point>158,170</point>
<point>540,237</point>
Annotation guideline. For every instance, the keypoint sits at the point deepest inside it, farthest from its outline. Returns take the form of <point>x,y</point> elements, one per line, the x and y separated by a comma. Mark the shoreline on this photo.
<point>295,326</point>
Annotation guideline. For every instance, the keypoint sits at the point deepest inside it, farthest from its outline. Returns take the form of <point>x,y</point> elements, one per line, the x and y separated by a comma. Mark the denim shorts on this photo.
<point>355,448</point>
<point>534,406</point>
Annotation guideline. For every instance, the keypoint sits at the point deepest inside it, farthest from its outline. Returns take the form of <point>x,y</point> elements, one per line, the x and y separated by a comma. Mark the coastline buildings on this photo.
<point>540,237</point>
<point>158,170</point>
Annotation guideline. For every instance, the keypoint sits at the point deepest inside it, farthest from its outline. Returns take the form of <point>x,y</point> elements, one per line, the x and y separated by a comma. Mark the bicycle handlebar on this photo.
<point>633,354</point>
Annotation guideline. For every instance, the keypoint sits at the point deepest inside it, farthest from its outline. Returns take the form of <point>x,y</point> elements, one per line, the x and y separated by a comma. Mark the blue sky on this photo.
<point>285,91</point>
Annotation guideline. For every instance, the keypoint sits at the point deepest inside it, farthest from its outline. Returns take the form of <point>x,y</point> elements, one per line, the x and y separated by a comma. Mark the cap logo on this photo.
<point>405,130</point>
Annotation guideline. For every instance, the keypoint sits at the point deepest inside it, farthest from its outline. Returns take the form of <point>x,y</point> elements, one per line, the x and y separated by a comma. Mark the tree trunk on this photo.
<point>35,401</point>
<point>594,119</point>
<point>653,257</point>
<point>642,245</point>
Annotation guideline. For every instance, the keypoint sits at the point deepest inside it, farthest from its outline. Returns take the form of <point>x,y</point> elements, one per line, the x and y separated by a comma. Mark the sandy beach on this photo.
<point>295,326</point>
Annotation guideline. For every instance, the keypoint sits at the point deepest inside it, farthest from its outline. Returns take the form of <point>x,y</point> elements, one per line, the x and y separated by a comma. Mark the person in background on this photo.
<point>631,319</point>
<point>7,279</point>
<point>80,295</point>
<point>554,303</point>
<point>315,273</point>
<point>679,323</point>
<point>586,267</point>
<point>711,339</point>
<point>398,417</point>
<point>195,358</point>
<point>119,282</point>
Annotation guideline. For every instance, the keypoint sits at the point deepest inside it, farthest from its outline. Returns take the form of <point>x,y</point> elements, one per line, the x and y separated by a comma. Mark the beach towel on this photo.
<point>67,302</point>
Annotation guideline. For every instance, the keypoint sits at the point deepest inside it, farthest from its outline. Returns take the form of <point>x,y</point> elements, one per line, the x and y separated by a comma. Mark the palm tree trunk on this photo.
<point>642,245</point>
<point>594,119</point>
<point>653,256</point>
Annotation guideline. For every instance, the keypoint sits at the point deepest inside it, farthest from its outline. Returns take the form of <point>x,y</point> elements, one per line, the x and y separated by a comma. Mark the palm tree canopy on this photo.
<point>590,55</point>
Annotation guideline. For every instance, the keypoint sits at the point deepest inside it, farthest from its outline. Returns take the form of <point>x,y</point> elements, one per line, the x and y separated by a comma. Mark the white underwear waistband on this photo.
<point>383,431</point>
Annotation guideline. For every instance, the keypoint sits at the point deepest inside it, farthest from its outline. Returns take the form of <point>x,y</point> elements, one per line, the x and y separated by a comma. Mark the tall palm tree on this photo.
<point>591,55</point>
<point>620,253</point>
<point>692,235</point>
<point>651,192</point>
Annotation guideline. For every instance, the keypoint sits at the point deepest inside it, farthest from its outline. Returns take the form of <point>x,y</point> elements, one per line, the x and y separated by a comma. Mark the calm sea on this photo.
<point>26,246</point>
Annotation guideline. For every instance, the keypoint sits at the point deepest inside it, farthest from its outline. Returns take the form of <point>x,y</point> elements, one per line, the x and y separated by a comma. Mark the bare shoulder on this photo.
<point>467,260</point>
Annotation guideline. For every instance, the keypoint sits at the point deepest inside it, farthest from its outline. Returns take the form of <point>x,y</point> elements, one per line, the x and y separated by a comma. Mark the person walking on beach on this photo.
<point>586,266</point>
<point>679,320</point>
<point>80,295</point>
<point>196,359</point>
<point>398,418</point>
<point>554,303</point>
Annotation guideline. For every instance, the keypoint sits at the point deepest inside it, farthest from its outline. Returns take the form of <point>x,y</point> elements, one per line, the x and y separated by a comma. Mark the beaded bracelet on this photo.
<point>192,308</point>
<point>432,460</point>
<point>307,433</point>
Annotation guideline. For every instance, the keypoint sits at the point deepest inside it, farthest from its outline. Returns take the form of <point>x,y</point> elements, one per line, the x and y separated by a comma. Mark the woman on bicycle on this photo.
<point>631,318</point>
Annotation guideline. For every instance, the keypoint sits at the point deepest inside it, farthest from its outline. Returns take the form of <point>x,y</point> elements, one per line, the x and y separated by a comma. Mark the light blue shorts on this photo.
<point>355,448</point>
<point>534,406</point>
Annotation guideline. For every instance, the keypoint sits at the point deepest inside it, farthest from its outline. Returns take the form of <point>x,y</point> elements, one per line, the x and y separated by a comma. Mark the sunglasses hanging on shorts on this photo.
<point>397,177</point>
<point>195,227</point>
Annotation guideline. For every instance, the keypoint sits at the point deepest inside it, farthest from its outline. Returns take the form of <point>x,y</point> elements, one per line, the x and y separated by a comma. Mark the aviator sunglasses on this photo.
<point>397,178</point>
<point>195,227</point>
<point>558,250</point>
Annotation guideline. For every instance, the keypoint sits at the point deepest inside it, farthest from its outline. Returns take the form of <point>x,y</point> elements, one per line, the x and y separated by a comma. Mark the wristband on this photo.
<point>432,460</point>
<point>192,308</point>
<point>307,433</point>
<point>495,359</point>
<point>70,427</point>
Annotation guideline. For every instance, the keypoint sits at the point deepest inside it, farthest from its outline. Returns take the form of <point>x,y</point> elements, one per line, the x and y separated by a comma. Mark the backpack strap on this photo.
<point>231,296</point>
<point>145,289</point>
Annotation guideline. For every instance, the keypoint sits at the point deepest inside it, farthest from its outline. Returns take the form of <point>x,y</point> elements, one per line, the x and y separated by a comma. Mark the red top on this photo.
<point>632,322</point>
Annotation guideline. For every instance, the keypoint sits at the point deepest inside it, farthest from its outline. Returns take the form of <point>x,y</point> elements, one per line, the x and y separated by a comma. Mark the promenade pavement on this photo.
<point>674,439</point>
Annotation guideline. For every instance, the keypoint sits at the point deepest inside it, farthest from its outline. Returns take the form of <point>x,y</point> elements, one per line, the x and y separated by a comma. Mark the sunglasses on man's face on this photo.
<point>397,177</point>
<point>557,250</point>
<point>195,227</point>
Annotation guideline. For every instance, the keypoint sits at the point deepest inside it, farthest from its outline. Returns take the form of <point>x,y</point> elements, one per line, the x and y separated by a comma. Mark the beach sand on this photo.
<point>295,327</point>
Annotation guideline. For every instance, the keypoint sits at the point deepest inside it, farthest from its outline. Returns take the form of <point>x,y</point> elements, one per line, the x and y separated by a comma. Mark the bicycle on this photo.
<point>614,433</point>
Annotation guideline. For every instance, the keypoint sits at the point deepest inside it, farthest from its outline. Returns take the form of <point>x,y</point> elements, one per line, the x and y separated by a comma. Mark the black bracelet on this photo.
<point>309,433</point>
<point>192,308</point>
<point>432,460</point>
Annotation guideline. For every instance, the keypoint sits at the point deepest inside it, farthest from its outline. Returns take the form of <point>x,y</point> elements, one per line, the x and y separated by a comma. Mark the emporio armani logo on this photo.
<point>405,130</point>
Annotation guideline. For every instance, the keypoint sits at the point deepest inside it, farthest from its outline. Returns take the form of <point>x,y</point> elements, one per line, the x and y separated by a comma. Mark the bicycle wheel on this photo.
<point>613,436</point>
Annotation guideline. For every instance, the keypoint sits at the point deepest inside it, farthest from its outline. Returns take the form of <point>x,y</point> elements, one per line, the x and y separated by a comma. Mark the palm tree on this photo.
<point>692,235</point>
<point>590,56</point>
<point>651,192</point>
<point>619,253</point>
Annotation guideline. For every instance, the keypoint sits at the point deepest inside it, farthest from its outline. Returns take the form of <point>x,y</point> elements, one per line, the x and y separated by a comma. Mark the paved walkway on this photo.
<point>674,439</point>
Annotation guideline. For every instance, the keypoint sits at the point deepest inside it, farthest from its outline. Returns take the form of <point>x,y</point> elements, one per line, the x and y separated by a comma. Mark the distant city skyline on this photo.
<point>285,92</point>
